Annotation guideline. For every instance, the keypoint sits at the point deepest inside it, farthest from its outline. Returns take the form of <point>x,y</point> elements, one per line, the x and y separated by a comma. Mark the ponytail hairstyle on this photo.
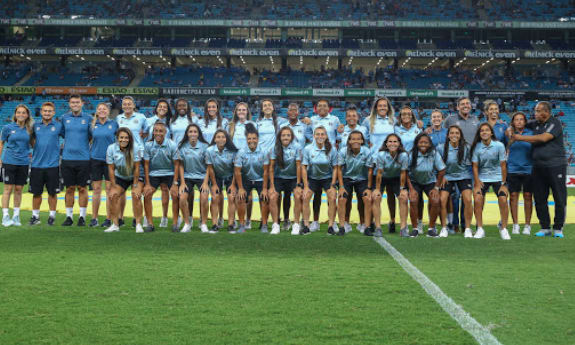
<point>129,152</point>
<point>477,138</point>
<point>229,143</point>
<point>460,145</point>
<point>168,114</point>
<point>186,138</point>
<point>415,150</point>
<point>207,115</point>
<point>235,118</point>
<point>349,150</point>
<point>400,149</point>
<point>279,148</point>
<point>274,115</point>
<point>373,115</point>
<point>327,143</point>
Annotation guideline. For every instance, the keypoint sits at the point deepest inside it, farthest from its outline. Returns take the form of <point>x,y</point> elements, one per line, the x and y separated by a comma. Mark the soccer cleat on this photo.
<point>527,230</point>
<point>314,226</point>
<point>16,221</point>
<point>330,231</point>
<point>164,222</point>
<point>275,229</point>
<point>214,229</point>
<point>204,228</point>
<point>150,228</point>
<point>504,234</point>
<point>93,222</point>
<point>404,232</point>
<point>468,233</point>
<point>248,225</point>
<point>378,233</point>
<point>140,229</point>
<point>305,230</point>
<point>134,222</point>
<point>106,223</point>
<point>81,221</point>
<point>187,228</point>
<point>414,233</point>
<point>516,229</point>
<point>558,233</point>
<point>391,227</point>
<point>368,231</point>
<point>6,221</point>
<point>341,231</point>
<point>360,228</point>
<point>264,229</point>
<point>231,229</point>
<point>295,229</point>
<point>543,233</point>
<point>480,233</point>
<point>112,228</point>
<point>347,227</point>
<point>51,221</point>
<point>431,232</point>
<point>286,225</point>
<point>444,232</point>
<point>34,221</point>
<point>121,222</point>
<point>68,222</point>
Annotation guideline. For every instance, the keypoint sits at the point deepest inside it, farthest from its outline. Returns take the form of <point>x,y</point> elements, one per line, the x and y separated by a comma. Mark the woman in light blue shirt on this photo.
<point>407,128</point>
<point>237,127</point>
<point>489,170</point>
<point>268,124</point>
<point>319,173</point>
<point>212,120</point>
<point>181,120</point>
<point>380,123</point>
<point>123,158</point>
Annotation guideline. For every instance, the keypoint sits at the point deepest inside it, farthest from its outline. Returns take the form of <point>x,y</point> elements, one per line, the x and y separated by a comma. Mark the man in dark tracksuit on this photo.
<point>549,168</point>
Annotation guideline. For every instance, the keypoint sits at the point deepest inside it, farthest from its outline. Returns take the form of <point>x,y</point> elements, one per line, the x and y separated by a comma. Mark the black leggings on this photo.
<point>545,178</point>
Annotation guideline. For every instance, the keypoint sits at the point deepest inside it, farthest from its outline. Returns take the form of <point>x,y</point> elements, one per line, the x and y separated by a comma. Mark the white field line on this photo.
<point>466,321</point>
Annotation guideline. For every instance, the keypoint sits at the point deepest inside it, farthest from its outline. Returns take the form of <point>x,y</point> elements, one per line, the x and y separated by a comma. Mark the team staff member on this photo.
<point>464,120</point>
<point>491,111</point>
<point>77,132</point>
<point>45,167</point>
<point>549,168</point>
<point>103,135</point>
<point>436,131</point>
<point>15,142</point>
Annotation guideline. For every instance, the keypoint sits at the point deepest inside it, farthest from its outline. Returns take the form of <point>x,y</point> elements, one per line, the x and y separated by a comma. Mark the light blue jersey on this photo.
<point>329,122</point>
<point>252,163</point>
<point>488,159</point>
<point>319,164</point>
<point>178,127</point>
<point>267,132</point>
<point>221,161</point>
<point>209,130</point>
<point>355,167</point>
<point>239,138</point>
<point>47,148</point>
<point>407,136</point>
<point>77,132</point>
<point>161,157</point>
<point>302,133</point>
<point>291,154</point>
<point>426,168</point>
<point>115,156</point>
<point>454,171</point>
<point>347,131</point>
<point>381,129</point>
<point>391,166</point>
<point>137,124</point>
<point>194,160</point>
<point>16,145</point>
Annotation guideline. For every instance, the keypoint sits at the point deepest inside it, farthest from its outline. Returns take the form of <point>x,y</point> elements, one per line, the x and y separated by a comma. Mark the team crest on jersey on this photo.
<point>53,129</point>
<point>37,128</point>
<point>135,121</point>
<point>109,126</point>
<point>13,132</point>
<point>67,121</point>
<point>83,122</point>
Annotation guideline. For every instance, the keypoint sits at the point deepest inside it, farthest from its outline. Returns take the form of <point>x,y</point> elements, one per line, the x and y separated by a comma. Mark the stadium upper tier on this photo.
<point>532,10</point>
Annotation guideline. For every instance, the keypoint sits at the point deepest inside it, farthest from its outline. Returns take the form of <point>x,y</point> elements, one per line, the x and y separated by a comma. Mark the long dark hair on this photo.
<point>460,145</point>
<point>415,150</point>
<point>168,114</point>
<point>186,138</point>
<point>400,149</point>
<point>349,150</point>
<point>279,149</point>
<point>188,110</point>
<point>274,115</point>
<point>477,138</point>
<point>235,119</point>
<point>229,143</point>
<point>218,115</point>
<point>129,152</point>
<point>327,143</point>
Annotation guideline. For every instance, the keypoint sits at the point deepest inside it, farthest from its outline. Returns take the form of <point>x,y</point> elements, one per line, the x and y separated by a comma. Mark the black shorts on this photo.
<point>520,182</point>
<point>285,185</point>
<point>76,173</point>
<point>460,184</point>
<point>156,181</point>
<point>251,185</point>
<point>99,170</point>
<point>190,183</point>
<point>14,174</point>
<point>224,182</point>
<point>496,186</point>
<point>393,183</point>
<point>125,184</point>
<point>419,188</point>
<point>40,177</point>
<point>359,187</point>
<point>316,186</point>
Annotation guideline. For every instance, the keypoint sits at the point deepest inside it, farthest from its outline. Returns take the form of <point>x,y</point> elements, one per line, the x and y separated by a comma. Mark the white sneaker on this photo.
<point>515,230</point>
<point>164,222</point>
<point>248,225</point>
<point>275,229</point>
<point>480,233</point>
<point>204,228</point>
<point>360,228</point>
<point>314,226</point>
<point>295,229</point>
<point>504,234</point>
<point>16,221</point>
<point>186,228</point>
<point>7,221</point>
<point>444,232</point>
<point>527,230</point>
<point>112,228</point>
<point>468,233</point>
<point>347,227</point>
<point>139,229</point>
